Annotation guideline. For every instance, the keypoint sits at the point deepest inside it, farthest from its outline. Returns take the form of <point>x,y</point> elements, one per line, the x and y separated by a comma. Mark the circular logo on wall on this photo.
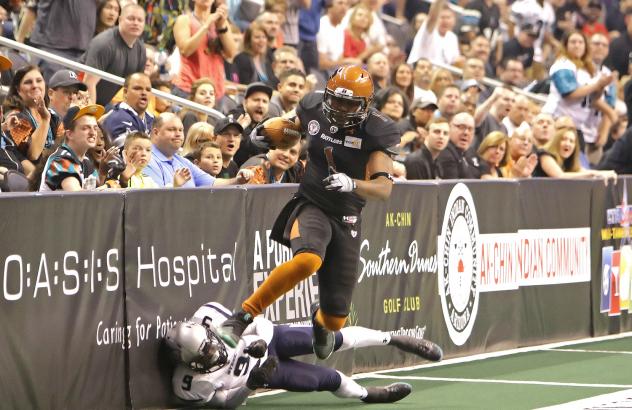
<point>459,268</point>
<point>313,127</point>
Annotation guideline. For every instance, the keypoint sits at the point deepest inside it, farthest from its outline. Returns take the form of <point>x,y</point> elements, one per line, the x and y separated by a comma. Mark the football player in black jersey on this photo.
<point>349,162</point>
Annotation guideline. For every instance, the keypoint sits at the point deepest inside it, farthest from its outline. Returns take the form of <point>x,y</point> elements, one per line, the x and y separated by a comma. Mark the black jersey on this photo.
<point>351,150</point>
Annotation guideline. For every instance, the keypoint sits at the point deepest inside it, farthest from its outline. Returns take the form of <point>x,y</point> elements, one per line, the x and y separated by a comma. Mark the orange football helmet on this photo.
<point>348,94</point>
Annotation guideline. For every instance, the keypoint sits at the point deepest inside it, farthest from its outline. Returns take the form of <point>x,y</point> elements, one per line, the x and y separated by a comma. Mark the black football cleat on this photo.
<point>233,327</point>
<point>387,394</point>
<point>323,340</point>
<point>421,347</point>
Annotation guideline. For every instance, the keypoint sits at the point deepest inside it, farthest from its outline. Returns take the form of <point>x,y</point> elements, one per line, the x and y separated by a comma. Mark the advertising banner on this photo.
<point>63,336</point>
<point>612,275</point>
<point>396,285</point>
<point>556,259</point>
<point>478,223</point>
<point>182,249</point>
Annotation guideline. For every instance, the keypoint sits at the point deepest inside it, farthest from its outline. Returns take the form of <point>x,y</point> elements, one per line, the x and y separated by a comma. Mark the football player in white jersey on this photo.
<point>211,373</point>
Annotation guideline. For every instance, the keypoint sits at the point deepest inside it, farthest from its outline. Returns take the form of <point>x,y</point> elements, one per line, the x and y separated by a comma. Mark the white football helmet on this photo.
<point>197,346</point>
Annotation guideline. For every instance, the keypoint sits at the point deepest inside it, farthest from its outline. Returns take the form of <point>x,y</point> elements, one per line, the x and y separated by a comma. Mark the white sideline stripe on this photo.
<point>591,351</point>
<point>482,356</point>
<point>501,353</point>
<point>502,381</point>
<point>619,399</point>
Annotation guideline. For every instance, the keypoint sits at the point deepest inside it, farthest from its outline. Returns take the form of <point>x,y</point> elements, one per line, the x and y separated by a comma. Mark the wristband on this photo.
<point>222,30</point>
<point>381,174</point>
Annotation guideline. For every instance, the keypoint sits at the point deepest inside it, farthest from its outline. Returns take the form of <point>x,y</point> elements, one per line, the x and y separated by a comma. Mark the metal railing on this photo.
<point>73,65</point>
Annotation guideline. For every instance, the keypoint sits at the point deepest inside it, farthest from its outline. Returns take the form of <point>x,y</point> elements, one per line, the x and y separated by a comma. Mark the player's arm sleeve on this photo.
<point>59,170</point>
<point>229,398</point>
<point>262,328</point>
<point>565,81</point>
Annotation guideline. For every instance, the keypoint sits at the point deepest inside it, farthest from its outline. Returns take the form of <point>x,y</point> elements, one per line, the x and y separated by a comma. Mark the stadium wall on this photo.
<point>92,281</point>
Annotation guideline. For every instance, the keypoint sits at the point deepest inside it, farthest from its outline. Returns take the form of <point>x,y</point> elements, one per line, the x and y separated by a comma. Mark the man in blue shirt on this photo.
<point>167,137</point>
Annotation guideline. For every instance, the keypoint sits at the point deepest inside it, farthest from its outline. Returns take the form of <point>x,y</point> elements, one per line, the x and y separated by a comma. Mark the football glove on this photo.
<point>339,182</point>
<point>258,139</point>
<point>257,348</point>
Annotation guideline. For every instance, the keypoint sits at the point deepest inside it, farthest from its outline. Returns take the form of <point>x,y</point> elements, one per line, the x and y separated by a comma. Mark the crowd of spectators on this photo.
<point>478,88</point>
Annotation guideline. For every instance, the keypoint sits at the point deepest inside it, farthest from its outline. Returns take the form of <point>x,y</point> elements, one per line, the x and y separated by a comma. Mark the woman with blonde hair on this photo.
<point>440,79</point>
<point>198,134</point>
<point>560,158</point>
<point>493,150</point>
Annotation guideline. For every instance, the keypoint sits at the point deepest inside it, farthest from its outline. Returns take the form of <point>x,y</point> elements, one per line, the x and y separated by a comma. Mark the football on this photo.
<point>281,132</point>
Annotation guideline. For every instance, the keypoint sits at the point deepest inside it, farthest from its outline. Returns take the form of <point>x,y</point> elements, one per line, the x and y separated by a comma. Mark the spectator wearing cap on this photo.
<point>119,51</point>
<point>621,47</point>
<point>474,69</point>
<point>35,127</point>
<point>63,28</point>
<point>62,90</point>
<point>472,89</point>
<point>167,136</point>
<point>291,89</point>
<point>413,127</point>
<point>228,132</point>
<point>68,168</point>
<point>521,46</point>
<point>435,39</point>
<point>256,104</point>
<point>422,164</point>
<point>131,114</point>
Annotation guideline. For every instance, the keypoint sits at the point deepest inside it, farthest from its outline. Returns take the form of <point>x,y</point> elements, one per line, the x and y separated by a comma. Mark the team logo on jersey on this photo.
<point>459,274</point>
<point>353,142</point>
<point>333,129</point>
<point>313,127</point>
<point>354,233</point>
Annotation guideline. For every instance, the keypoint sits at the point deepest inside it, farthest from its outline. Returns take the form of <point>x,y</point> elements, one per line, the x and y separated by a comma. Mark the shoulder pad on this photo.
<point>382,130</point>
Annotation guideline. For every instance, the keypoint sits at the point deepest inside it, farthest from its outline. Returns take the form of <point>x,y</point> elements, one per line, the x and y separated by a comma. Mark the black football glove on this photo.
<point>257,349</point>
<point>260,376</point>
<point>257,138</point>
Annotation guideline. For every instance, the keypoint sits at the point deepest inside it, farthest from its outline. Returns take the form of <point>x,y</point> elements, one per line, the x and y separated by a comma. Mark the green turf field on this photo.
<point>538,377</point>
